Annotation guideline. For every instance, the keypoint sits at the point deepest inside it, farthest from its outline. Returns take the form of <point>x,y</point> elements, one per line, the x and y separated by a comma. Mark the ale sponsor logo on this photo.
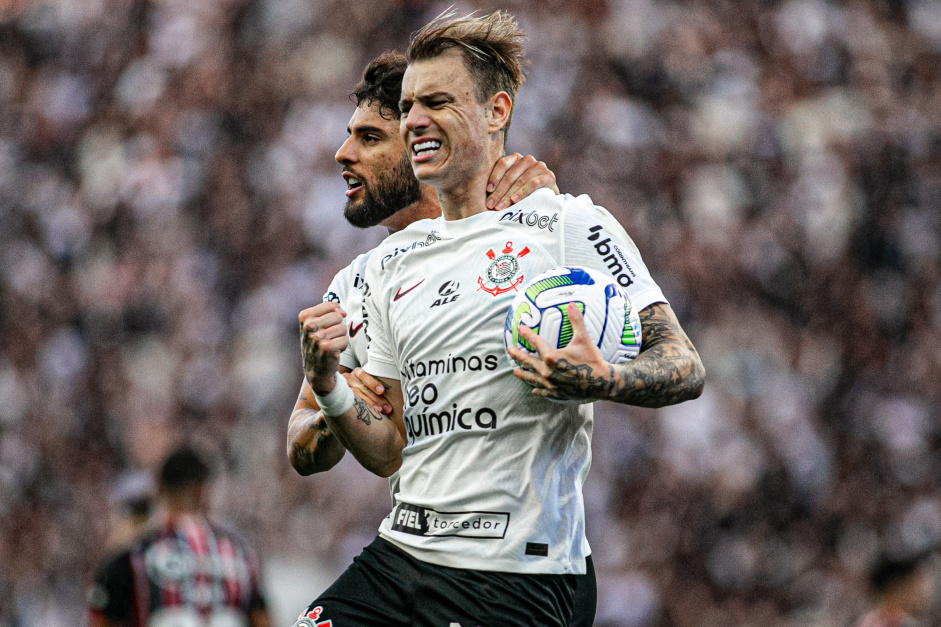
<point>447,293</point>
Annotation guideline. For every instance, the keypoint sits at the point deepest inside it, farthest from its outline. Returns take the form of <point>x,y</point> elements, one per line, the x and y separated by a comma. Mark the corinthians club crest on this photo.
<point>308,619</point>
<point>501,275</point>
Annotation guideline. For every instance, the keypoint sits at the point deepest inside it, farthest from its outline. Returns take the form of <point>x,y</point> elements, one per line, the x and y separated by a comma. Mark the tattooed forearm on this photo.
<point>580,380</point>
<point>667,370</point>
<point>365,413</point>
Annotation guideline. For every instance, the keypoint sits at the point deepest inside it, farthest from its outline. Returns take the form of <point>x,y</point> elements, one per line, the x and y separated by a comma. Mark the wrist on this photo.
<point>609,375</point>
<point>338,401</point>
<point>323,385</point>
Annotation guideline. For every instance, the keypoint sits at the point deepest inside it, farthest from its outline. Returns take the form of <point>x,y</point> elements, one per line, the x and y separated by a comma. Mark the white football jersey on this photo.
<point>346,289</point>
<point>491,476</point>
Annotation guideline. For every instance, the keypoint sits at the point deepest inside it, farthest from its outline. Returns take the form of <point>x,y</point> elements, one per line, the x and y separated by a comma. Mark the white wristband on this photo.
<point>337,402</point>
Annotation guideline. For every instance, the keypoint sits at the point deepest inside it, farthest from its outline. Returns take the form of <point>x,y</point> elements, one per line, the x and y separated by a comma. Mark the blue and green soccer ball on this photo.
<point>612,323</point>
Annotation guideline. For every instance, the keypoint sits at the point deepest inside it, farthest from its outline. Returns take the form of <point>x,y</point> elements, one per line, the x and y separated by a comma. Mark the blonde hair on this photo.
<point>492,47</point>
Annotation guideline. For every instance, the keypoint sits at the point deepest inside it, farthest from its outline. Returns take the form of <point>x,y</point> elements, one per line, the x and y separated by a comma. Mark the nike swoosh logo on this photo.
<point>399,293</point>
<point>354,329</point>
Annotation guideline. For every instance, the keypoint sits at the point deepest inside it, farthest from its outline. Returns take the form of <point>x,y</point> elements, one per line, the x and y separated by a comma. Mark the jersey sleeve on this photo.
<point>593,238</point>
<point>381,360</point>
<point>112,595</point>
<point>338,292</point>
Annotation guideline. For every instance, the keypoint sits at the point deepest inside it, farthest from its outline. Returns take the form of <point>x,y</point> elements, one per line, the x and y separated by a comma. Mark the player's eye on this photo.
<point>437,103</point>
<point>370,139</point>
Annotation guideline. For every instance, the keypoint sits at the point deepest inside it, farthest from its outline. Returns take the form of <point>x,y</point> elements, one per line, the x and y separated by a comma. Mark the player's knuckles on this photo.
<point>335,331</point>
<point>334,346</point>
<point>319,310</point>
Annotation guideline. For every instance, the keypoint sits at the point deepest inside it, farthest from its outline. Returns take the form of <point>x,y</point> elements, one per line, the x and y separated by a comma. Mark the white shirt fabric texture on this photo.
<point>491,476</point>
<point>347,289</point>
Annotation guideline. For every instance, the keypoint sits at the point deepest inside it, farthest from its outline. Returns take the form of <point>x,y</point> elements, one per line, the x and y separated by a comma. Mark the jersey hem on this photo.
<point>462,562</point>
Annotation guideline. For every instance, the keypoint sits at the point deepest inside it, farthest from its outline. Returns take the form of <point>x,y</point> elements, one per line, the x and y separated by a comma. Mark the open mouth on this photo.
<point>425,148</point>
<point>353,184</point>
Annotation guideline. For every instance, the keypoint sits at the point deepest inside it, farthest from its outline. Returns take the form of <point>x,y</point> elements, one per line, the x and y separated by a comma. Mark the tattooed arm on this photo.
<point>667,370</point>
<point>375,440</point>
<point>311,445</point>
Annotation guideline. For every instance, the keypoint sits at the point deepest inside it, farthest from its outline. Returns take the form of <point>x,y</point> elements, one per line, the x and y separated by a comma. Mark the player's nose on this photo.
<point>346,155</point>
<point>417,119</point>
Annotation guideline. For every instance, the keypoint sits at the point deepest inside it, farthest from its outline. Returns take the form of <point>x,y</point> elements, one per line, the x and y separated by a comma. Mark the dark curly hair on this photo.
<point>382,84</point>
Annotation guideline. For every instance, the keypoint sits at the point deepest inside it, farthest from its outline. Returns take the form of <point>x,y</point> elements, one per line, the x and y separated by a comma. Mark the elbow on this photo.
<point>301,466</point>
<point>307,462</point>
<point>697,377</point>
<point>388,469</point>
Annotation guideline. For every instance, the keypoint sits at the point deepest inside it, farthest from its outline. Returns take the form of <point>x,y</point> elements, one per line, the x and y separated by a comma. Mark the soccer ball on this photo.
<point>611,321</point>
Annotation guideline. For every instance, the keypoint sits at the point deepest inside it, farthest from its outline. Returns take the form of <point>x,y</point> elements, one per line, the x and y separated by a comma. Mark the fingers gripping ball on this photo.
<point>611,322</point>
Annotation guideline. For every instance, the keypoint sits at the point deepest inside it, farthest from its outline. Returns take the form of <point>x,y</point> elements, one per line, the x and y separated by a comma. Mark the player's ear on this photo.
<point>500,106</point>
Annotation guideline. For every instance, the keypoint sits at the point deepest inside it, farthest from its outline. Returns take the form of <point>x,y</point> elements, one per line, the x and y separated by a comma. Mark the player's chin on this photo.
<point>431,170</point>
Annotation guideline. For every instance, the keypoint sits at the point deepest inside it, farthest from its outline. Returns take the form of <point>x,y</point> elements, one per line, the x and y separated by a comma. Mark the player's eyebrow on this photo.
<point>435,95</point>
<point>362,129</point>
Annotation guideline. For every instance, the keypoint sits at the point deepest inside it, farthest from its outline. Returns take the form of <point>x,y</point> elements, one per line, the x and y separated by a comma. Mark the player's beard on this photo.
<point>393,191</point>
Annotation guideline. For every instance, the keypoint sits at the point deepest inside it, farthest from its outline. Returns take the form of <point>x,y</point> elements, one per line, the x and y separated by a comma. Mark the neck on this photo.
<point>425,207</point>
<point>468,197</point>
<point>466,200</point>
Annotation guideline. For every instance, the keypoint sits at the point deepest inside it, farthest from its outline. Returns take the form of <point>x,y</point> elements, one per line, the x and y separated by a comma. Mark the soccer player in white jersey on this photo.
<point>488,523</point>
<point>382,190</point>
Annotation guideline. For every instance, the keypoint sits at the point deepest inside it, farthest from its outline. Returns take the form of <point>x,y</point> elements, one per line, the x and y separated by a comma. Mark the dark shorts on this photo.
<point>386,586</point>
<point>586,597</point>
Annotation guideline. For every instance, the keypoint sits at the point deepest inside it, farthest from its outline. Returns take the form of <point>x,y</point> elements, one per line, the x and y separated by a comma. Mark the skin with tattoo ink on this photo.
<point>667,371</point>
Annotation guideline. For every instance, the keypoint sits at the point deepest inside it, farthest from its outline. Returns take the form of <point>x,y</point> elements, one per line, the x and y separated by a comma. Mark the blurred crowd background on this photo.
<point>169,202</point>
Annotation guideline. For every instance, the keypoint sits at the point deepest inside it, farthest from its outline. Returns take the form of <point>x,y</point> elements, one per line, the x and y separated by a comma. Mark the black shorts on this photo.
<point>387,587</point>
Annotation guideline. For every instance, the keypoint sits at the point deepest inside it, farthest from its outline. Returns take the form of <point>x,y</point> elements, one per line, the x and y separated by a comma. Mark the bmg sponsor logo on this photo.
<point>611,255</point>
<point>422,521</point>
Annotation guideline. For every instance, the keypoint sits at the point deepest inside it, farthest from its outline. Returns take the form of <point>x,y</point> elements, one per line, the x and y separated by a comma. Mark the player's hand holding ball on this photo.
<point>323,338</point>
<point>566,328</point>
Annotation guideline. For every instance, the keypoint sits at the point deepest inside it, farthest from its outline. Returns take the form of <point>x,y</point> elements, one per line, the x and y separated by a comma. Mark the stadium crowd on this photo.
<point>169,201</point>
